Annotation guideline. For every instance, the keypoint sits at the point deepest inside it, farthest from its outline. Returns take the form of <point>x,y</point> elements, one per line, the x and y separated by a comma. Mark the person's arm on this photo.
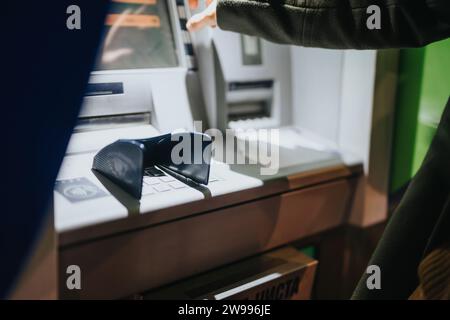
<point>338,23</point>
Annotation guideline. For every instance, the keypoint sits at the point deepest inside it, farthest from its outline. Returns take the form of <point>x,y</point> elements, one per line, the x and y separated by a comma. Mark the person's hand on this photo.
<point>206,18</point>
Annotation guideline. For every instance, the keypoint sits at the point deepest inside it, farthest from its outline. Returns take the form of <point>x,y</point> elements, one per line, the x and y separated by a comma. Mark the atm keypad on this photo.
<point>162,187</point>
<point>177,185</point>
<point>151,180</point>
<point>165,183</point>
<point>153,185</point>
<point>167,179</point>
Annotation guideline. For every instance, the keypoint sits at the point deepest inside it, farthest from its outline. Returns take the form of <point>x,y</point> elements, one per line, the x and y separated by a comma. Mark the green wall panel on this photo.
<point>423,90</point>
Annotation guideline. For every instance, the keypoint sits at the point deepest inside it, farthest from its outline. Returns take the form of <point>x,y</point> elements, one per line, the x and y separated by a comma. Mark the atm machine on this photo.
<point>330,106</point>
<point>139,88</point>
<point>249,83</point>
<point>152,77</point>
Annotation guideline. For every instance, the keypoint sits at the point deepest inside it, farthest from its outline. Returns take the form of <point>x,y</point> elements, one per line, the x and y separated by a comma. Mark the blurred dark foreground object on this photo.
<point>45,67</point>
<point>434,275</point>
<point>420,224</point>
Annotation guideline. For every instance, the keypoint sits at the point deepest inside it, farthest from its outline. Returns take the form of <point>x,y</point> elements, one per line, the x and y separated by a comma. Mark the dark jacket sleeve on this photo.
<point>338,24</point>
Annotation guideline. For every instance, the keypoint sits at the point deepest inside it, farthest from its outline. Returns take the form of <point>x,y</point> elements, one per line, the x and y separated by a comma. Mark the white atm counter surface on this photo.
<point>88,207</point>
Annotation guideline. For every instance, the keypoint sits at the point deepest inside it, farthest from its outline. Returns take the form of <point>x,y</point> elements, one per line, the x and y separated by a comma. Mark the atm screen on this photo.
<point>138,34</point>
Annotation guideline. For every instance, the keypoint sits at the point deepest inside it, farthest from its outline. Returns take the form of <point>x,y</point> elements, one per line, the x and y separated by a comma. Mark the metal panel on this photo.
<point>143,259</point>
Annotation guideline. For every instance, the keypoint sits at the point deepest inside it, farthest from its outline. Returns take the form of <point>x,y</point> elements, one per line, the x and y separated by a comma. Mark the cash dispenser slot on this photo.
<point>249,100</point>
<point>247,85</point>
<point>102,89</point>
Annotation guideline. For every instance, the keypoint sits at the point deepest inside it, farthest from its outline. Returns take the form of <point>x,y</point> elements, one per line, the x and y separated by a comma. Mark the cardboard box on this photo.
<point>283,274</point>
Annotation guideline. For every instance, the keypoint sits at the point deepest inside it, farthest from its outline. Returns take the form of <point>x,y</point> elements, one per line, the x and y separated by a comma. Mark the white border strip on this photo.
<point>246,286</point>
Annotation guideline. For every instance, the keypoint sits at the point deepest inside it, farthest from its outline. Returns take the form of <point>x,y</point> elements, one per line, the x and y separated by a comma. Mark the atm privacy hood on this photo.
<point>125,161</point>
